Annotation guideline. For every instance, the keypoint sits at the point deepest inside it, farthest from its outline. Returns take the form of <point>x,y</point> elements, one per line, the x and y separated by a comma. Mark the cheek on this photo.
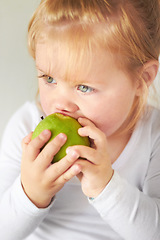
<point>110,113</point>
<point>44,100</point>
<point>109,121</point>
<point>44,106</point>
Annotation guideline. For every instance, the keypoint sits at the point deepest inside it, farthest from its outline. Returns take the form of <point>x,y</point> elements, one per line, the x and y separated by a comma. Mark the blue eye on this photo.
<point>84,89</point>
<point>50,80</point>
<point>47,78</point>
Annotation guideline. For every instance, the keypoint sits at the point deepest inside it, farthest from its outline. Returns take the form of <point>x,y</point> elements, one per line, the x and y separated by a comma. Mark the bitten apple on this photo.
<point>59,123</point>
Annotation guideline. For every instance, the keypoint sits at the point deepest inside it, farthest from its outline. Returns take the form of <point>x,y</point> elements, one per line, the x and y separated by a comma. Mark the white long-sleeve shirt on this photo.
<point>128,208</point>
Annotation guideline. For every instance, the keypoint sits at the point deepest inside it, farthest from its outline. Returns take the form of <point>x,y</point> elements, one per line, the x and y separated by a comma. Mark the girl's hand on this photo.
<point>40,179</point>
<point>96,170</point>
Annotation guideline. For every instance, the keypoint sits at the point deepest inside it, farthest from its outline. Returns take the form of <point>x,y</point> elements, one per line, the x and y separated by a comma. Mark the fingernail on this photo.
<point>62,136</point>
<point>77,168</point>
<point>46,132</point>
<point>80,130</point>
<point>72,153</point>
<point>68,149</point>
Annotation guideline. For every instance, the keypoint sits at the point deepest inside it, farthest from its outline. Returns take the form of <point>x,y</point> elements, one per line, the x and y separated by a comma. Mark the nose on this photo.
<point>65,104</point>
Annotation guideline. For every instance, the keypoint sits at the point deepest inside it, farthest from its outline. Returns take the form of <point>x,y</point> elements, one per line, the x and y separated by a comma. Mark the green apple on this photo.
<point>59,123</point>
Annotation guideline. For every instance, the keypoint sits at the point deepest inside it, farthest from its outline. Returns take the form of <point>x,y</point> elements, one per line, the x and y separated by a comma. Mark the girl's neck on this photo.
<point>117,145</point>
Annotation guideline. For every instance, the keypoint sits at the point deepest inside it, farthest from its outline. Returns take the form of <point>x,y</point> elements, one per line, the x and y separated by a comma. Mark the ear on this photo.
<point>149,71</point>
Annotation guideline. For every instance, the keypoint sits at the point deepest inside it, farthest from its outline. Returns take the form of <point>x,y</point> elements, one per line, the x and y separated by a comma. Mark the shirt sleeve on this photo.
<point>18,215</point>
<point>130,212</point>
<point>130,203</point>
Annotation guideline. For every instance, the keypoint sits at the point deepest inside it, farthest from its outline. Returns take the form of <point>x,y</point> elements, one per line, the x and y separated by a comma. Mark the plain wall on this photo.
<point>18,81</point>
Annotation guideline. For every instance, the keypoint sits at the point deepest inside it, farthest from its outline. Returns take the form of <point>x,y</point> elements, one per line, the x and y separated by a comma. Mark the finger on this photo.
<point>85,122</point>
<point>92,155</point>
<point>86,153</point>
<point>69,174</point>
<point>90,130</point>
<point>47,154</point>
<point>92,170</point>
<point>86,167</point>
<point>58,168</point>
<point>26,141</point>
<point>34,146</point>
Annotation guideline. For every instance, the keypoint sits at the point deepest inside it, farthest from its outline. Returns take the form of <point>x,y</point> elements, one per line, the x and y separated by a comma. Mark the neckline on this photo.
<point>130,145</point>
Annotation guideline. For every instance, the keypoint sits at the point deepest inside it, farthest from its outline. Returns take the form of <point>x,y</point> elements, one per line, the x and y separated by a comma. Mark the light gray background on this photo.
<point>18,81</point>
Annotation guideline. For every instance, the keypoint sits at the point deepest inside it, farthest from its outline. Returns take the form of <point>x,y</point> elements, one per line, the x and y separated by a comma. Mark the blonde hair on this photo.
<point>130,29</point>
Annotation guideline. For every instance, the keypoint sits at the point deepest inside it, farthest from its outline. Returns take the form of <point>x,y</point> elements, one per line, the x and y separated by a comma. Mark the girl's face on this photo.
<point>104,94</point>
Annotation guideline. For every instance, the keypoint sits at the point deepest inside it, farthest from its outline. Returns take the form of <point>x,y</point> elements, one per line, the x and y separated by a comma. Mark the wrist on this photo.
<point>40,203</point>
<point>98,192</point>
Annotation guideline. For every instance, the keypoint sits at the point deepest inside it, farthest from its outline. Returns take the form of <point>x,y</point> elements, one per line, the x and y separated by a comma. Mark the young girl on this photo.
<point>96,60</point>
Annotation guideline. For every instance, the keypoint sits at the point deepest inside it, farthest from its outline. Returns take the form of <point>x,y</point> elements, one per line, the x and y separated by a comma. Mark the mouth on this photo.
<point>67,114</point>
<point>63,113</point>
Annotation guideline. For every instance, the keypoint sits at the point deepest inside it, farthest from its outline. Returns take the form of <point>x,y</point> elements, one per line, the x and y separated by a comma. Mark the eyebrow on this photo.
<point>47,73</point>
<point>39,69</point>
<point>42,71</point>
<point>73,82</point>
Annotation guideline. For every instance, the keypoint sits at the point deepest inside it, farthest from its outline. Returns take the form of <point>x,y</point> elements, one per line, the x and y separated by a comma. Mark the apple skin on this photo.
<point>59,123</point>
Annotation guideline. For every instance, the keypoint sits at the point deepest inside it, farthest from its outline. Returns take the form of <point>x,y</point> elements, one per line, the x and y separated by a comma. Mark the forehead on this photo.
<point>69,49</point>
<point>57,60</point>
